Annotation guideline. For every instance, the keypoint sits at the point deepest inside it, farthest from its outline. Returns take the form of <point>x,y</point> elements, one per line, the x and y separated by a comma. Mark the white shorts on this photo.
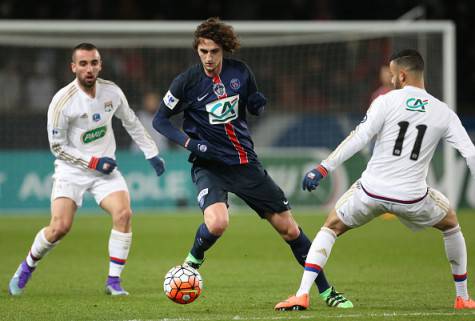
<point>356,208</point>
<point>99,185</point>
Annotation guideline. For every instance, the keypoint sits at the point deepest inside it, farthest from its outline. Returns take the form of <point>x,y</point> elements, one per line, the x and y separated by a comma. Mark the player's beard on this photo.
<point>88,82</point>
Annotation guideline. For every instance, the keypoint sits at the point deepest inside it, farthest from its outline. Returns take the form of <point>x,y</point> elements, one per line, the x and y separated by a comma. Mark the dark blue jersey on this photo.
<point>214,109</point>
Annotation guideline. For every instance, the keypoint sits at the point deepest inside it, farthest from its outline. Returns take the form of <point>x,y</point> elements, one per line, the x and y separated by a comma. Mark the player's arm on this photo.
<point>457,136</point>
<point>358,138</point>
<point>170,105</point>
<point>139,134</point>
<point>58,126</point>
<point>256,101</point>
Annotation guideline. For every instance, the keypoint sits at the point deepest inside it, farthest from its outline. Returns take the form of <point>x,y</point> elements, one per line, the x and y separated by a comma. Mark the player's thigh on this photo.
<point>425,213</point>
<point>257,188</point>
<point>106,185</point>
<point>68,186</point>
<point>210,188</point>
<point>354,208</point>
<point>63,210</point>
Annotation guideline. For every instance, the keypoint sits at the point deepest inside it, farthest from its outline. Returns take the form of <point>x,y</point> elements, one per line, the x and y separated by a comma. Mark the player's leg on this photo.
<point>353,209</point>
<point>216,220</point>
<point>456,251</point>
<point>62,215</point>
<point>316,259</point>
<point>117,204</point>
<point>212,199</point>
<point>299,243</point>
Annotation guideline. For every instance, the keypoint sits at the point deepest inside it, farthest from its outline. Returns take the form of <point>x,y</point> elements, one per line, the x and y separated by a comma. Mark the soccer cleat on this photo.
<point>193,262</point>
<point>460,303</point>
<point>294,303</point>
<point>114,288</point>
<point>20,278</point>
<point>335,299</point>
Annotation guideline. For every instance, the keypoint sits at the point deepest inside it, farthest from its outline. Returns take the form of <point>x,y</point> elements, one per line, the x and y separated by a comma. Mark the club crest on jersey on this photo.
<point>108,107</point>
<point>219,89</point>
<point>224,110</point>
<point>416,104</point>
<point>235,84</point>
<point>96,117</point>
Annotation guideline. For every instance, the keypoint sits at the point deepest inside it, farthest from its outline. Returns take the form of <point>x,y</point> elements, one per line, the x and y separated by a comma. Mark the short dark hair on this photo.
<point>83,46</point>
<point>409,59</point>
<point>221,33</point>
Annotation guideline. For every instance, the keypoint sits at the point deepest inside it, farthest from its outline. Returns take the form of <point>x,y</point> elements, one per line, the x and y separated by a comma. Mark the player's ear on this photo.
<point>402,76</point>
<point>73,67</point>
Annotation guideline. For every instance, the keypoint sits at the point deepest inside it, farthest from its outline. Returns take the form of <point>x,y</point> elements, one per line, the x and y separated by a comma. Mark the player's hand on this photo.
<point>105,165</point>
<point>312,179</point>
<point>256,103</point>
<point>203,149</point>
<point>158,164</point>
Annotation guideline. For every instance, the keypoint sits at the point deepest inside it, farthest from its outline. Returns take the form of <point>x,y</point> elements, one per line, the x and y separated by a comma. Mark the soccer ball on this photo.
<point>182,284</point>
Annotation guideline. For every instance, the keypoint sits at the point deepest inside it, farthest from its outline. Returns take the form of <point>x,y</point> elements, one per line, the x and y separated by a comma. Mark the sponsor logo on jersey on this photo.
<point>108,107</point>
<point>224,110</point>
<point>94,134</point>
<point>235,84</point>
<point>170,100</point>
<point>96,117</point>
<point>202,97</point>
<point>219,89</point>
<point>416,104</point>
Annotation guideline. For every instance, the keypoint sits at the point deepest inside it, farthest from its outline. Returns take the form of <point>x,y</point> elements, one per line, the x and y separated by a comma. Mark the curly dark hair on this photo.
<point>221,33</point>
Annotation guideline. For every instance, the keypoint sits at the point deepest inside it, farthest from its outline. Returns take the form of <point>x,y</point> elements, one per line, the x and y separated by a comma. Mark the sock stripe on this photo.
<point>117,260</point>
<point>460,277</point>
<point>34,258</point>
<point>312,268</point>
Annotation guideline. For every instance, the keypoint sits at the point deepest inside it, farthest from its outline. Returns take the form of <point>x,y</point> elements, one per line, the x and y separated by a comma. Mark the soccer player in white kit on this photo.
<point>408,124</point>
<point>81,138</point>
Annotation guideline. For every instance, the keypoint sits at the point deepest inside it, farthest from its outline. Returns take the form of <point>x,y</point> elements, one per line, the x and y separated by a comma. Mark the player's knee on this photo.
<point>123,217</point>
<point>450,221</point>
<point>218,225</point>
<point>59,229</point>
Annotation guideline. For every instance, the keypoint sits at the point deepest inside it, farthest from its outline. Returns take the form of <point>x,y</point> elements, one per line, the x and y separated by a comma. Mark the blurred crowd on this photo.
<point>29,77</point>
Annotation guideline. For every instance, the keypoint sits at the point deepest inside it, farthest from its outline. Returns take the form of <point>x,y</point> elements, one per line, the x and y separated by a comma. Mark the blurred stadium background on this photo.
<point>320,77</point>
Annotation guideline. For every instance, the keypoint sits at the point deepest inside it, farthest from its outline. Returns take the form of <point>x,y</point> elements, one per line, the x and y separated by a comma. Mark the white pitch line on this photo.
<point>293,315</point>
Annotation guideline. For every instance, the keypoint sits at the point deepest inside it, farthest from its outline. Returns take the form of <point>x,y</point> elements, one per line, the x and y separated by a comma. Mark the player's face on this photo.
<point>86,66</point>
<point>395,75</point>
<point>211,56</point>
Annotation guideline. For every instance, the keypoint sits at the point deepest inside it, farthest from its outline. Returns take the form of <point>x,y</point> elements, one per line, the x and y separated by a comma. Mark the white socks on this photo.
<point>317,258</point>
<point>119,247</point>
<point>457,255</point>
<point>39,249</point>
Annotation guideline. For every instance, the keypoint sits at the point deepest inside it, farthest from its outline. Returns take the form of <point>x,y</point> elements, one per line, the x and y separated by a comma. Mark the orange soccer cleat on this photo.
<point>460,303</point>
<point>294,303</point>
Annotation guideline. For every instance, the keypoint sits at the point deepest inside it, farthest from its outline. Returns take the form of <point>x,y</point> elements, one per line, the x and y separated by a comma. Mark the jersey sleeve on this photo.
<point>58,127</point>
<point>359,137</point>
<point>135,128</point>
<point>457,136</point>
<point>174,99</point>
<point>172,103</point>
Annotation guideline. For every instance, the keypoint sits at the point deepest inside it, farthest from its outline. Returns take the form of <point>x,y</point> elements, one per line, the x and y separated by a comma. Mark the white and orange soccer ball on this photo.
<point>183,284</point>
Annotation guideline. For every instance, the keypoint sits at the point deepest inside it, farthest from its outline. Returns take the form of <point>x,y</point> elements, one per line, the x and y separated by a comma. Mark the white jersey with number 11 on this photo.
<point>408,124</point>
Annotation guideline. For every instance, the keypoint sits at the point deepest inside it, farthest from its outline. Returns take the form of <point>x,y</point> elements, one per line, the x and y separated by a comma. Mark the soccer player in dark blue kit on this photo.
<point>214,97</point>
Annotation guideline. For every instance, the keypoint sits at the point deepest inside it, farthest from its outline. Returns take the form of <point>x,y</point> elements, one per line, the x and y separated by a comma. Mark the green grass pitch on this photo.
<point>389,272</point>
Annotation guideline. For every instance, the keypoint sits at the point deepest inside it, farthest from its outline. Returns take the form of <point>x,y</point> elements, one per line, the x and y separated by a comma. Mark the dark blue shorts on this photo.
<point>250,182</point>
